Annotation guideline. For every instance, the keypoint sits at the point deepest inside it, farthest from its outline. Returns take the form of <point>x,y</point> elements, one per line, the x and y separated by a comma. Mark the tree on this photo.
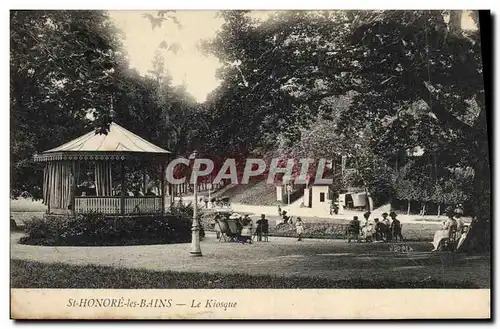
<point>61,65</point>
<point>401,58</point>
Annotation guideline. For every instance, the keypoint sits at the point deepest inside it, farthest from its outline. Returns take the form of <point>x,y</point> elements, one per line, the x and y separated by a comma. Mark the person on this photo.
<point>246,220</point>
<point>387,222</point>
<point>285,217</point>
<point>299,227</point>
<point>380,230</point>
<point>150,192</point>
<point>335,208</point>
<point>395,227</point>
<point>205,200</point>
<point>246,230</point>
<point>385,219</point>
<point>449,227</point>
<point>367,229</point>
<point>262,227</point>
<point>354,226</point>
<point>212,201</point>
<point>460,222</point>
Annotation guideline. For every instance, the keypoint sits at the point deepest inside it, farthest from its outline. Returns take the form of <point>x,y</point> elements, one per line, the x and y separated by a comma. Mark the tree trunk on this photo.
<point>423,209</point>
<point>455,21</point>
<point>409,203</point>
<point>479,236</point>
<point>439,210</point>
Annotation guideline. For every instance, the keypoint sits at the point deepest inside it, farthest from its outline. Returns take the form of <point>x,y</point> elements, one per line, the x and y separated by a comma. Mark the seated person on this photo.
<point>449,227</point>
<point>246,230</point>
<point>150,192</point>
<point>354,226</point>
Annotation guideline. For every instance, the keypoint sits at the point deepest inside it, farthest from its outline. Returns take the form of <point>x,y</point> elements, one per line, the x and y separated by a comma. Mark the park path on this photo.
<point>333,259</point>
<point>318,215</point>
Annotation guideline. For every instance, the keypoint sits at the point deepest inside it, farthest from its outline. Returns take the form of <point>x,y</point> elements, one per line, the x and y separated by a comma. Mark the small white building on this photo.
<point>318,197</point>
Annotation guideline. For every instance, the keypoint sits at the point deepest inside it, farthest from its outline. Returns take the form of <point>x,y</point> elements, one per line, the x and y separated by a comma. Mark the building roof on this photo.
<point>119,143</point>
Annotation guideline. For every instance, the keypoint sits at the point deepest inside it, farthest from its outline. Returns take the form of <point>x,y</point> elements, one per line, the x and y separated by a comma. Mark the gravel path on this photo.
<point>333,259</point>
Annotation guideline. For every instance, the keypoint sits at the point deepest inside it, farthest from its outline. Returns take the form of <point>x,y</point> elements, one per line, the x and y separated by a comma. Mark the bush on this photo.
<point>95,229</point>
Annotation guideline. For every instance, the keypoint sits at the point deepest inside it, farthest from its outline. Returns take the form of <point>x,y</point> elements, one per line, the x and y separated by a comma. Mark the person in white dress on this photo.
<point>449,227</point>
<point>299,227</point>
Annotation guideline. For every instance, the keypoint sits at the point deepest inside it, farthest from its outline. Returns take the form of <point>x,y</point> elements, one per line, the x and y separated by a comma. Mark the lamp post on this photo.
<point>195,229</point>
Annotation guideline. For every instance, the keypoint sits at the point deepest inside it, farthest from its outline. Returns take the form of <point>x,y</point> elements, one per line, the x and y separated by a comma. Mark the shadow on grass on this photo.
<point>29,274</point>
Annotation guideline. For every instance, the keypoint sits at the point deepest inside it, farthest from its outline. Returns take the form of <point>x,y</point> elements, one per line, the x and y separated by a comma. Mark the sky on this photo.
<point>189,65</point>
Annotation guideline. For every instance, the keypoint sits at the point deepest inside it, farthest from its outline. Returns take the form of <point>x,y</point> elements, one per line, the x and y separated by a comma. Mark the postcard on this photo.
<point>287,164</point>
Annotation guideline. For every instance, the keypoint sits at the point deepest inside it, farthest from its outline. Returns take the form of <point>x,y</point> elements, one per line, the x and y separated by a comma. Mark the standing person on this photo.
<point>354,226</point>
<point>385,219</point>
<point>395,227</point>
<point>279,210</point>
<point>262,226</point>
<point>367,228</point>
<point>387,223</point>
<point>299,227</point>
<point>285,217</point>
<point>205,200</point>
<point>380,230</point>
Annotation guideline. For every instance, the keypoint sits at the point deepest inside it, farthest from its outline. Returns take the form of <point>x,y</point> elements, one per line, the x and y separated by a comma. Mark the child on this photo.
<point>299,227</point>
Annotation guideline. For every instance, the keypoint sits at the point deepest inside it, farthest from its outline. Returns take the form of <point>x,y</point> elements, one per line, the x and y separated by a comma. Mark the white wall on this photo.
<point>280,192</point>
<point>316,203</point>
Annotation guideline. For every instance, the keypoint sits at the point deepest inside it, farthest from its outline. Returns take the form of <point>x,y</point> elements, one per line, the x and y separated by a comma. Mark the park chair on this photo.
<point>263,230</point>
<point>233,231</point>
<point>452,240</point>
<point>222,229</point>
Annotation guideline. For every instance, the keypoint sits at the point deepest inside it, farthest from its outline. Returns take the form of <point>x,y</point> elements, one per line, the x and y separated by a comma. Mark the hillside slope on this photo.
<point>254,193</point>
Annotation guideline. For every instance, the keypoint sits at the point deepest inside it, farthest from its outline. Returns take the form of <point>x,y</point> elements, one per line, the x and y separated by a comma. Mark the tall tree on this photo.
<point>61,65</point>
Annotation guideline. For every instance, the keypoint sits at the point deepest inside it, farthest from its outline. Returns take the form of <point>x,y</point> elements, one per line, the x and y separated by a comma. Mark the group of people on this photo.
<point>245,227</point>
<point>453,230</point>
<point>377,230</point>
<point>286,219</point>
<point>215,202</point>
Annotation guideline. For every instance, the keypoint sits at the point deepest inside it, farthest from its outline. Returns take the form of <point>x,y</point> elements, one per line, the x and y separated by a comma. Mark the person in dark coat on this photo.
<point>395,227</point>
<point>262,227</point>
<point>354,227</point>
<point>380,230</point>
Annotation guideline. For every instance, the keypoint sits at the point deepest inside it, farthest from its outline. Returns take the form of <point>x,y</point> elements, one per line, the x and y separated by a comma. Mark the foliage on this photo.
<point>61,63</point>
<point>69,75</point>
<point>98,230</point>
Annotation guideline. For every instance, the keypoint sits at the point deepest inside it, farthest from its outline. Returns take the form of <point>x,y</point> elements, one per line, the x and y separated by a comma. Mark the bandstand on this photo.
<point>107,153</point>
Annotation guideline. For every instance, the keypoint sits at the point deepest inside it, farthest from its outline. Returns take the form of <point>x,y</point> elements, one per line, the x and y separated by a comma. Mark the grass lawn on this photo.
<point>30,274</point>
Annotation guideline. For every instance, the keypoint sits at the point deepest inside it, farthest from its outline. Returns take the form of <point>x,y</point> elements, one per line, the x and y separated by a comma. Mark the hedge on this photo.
<point>94,229</point>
